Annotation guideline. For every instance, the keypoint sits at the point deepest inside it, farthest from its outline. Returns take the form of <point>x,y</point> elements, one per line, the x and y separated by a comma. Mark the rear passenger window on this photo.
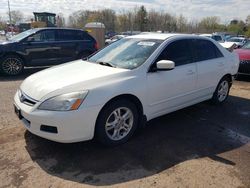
<point>206,50</point>
<point>64,35</point>
<point>178,52</point>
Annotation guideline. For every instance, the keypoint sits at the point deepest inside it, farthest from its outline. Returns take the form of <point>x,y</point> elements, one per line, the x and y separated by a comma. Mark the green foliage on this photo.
<point>209,24</point>
<point>239,28</point>
<point>247,33</point>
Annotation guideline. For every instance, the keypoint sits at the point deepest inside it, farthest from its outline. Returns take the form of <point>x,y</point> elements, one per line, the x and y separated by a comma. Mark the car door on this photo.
<point>210,66</point>
<point>170,90</point>
<point>39,48</point>
<point>66,41</point>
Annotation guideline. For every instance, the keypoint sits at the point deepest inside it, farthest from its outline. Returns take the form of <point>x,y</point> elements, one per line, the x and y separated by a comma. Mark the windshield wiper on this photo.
<point>106,64</point>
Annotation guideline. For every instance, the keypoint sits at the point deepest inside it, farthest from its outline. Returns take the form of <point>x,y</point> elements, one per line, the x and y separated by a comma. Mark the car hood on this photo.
<point>244,54</point>
<point>6,42</point>
<point>73,76</point>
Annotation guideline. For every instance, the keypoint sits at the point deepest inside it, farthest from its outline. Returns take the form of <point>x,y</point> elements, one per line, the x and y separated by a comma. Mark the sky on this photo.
<point>191,9</point>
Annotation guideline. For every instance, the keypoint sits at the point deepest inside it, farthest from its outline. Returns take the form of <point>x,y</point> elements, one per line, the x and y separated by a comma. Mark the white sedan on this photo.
<point>131,81</point>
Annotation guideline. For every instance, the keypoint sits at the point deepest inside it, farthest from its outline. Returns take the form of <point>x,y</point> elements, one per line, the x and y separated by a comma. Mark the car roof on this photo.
<point>237,38</point>
<point>162,36</point>
<point>55,28</point>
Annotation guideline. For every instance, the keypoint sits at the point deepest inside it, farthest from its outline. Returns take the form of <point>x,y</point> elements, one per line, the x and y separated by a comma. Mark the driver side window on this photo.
<point>44,36</point>
<point>178,52</point>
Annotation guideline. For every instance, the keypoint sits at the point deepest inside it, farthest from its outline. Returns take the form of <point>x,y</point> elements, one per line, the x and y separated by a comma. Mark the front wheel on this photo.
<point>11,65</point>
<point>116,123</point>
<point>222,91</point>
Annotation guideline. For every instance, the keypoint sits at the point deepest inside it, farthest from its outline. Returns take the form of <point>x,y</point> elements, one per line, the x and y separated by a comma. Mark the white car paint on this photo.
<point>184,86</point>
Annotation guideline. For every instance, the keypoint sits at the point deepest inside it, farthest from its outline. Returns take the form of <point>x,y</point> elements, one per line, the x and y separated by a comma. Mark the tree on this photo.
<point>237,26</point>
<point>181,24</point>
<point>209,24</point>
<point>248,21</point>
<point>16,16</point>
<point>141,18</point>
<point>2,24</point>
<point>60,20</point>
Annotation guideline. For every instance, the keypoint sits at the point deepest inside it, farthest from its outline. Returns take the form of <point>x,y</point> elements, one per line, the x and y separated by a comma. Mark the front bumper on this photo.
<point>72,126</point>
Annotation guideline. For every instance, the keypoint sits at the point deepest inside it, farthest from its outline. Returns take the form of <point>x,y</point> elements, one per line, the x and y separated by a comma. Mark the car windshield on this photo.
<point>235,40</point>
<point>127,53</point>
<point>246,46</point>
<point>22,35</point>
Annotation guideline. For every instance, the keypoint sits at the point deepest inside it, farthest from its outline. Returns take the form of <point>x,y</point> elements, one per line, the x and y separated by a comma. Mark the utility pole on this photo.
<point>9,11</point>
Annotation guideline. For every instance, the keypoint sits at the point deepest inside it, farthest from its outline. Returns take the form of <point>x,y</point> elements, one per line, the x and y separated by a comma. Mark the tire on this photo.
<point>11,65</point>
<point>222,90</point>
<point>113,126</point>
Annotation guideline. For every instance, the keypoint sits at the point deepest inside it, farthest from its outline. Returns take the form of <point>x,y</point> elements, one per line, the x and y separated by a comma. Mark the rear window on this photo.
<point>73,35</point>
<point>206,50</point>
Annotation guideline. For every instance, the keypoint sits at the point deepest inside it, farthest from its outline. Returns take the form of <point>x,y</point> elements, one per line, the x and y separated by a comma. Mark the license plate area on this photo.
<point>18,112</point>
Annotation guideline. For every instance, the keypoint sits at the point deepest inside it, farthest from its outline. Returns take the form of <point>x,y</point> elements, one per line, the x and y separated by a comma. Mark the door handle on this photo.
<point>190,72</point>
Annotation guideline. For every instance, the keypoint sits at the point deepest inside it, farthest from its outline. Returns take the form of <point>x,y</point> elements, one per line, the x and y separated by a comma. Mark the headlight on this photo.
<point>65,102</point>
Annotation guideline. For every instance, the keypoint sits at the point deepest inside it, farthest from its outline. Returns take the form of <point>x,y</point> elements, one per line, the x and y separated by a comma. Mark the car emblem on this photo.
<point>22,98</point>
<point>243,62</point>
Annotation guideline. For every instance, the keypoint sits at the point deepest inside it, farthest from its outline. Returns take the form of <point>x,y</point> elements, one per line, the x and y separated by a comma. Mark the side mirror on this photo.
<point>164,65</point>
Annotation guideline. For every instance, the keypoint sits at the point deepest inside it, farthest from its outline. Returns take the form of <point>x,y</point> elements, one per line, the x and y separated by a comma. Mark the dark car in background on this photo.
<point>244,55</point>
<point>44,47</point>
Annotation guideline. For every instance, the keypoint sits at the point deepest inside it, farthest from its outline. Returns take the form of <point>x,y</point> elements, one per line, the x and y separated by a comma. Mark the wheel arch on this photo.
<point>229,77</point>
<point>132,98</point>
<point>15,54</point>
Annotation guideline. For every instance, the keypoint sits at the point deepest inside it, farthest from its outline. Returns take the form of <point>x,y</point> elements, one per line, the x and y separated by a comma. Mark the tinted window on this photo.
<point>206,50</point>
<point>79,35</point>
<point>178,51</point>
<point>43,36</point>
<point>72,35</point>
<point>65,35</point>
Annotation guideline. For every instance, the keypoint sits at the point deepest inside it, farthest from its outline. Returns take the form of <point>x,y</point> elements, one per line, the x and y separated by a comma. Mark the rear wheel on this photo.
<point>116,123</point>
<point>222,91</point>
<point>11,65</point>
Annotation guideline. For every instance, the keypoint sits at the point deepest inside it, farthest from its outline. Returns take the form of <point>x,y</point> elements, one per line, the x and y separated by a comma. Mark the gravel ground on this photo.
<point>200,146</point>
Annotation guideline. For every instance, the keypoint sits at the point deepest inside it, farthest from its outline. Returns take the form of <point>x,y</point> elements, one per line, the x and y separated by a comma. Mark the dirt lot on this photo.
<point>200,146</point>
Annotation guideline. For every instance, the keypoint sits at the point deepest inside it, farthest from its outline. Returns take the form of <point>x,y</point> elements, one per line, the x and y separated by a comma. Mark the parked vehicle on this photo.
<point>43,47</point>
<point>244,54</point>
<point>239,41</point>
<point>217,38</point>
<point>133,80</point>
<point>113,39</point>
<point>2,32</point>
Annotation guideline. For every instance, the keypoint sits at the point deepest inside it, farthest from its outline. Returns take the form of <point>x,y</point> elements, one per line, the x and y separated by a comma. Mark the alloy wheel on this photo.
<point>12,66</point>
<point>223,91</point>
<point>119,123</point>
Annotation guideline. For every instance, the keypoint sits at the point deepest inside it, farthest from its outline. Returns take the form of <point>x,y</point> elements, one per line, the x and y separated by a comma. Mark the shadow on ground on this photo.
<point>198,131</point>
<point>27,72</point>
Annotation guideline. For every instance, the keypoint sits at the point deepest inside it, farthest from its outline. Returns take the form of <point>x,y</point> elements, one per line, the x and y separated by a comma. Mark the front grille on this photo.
<point>26,99</point>
<point>244,66</point>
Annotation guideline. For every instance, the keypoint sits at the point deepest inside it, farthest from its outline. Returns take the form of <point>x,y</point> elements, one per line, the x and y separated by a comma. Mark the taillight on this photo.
<point>96,46</point>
